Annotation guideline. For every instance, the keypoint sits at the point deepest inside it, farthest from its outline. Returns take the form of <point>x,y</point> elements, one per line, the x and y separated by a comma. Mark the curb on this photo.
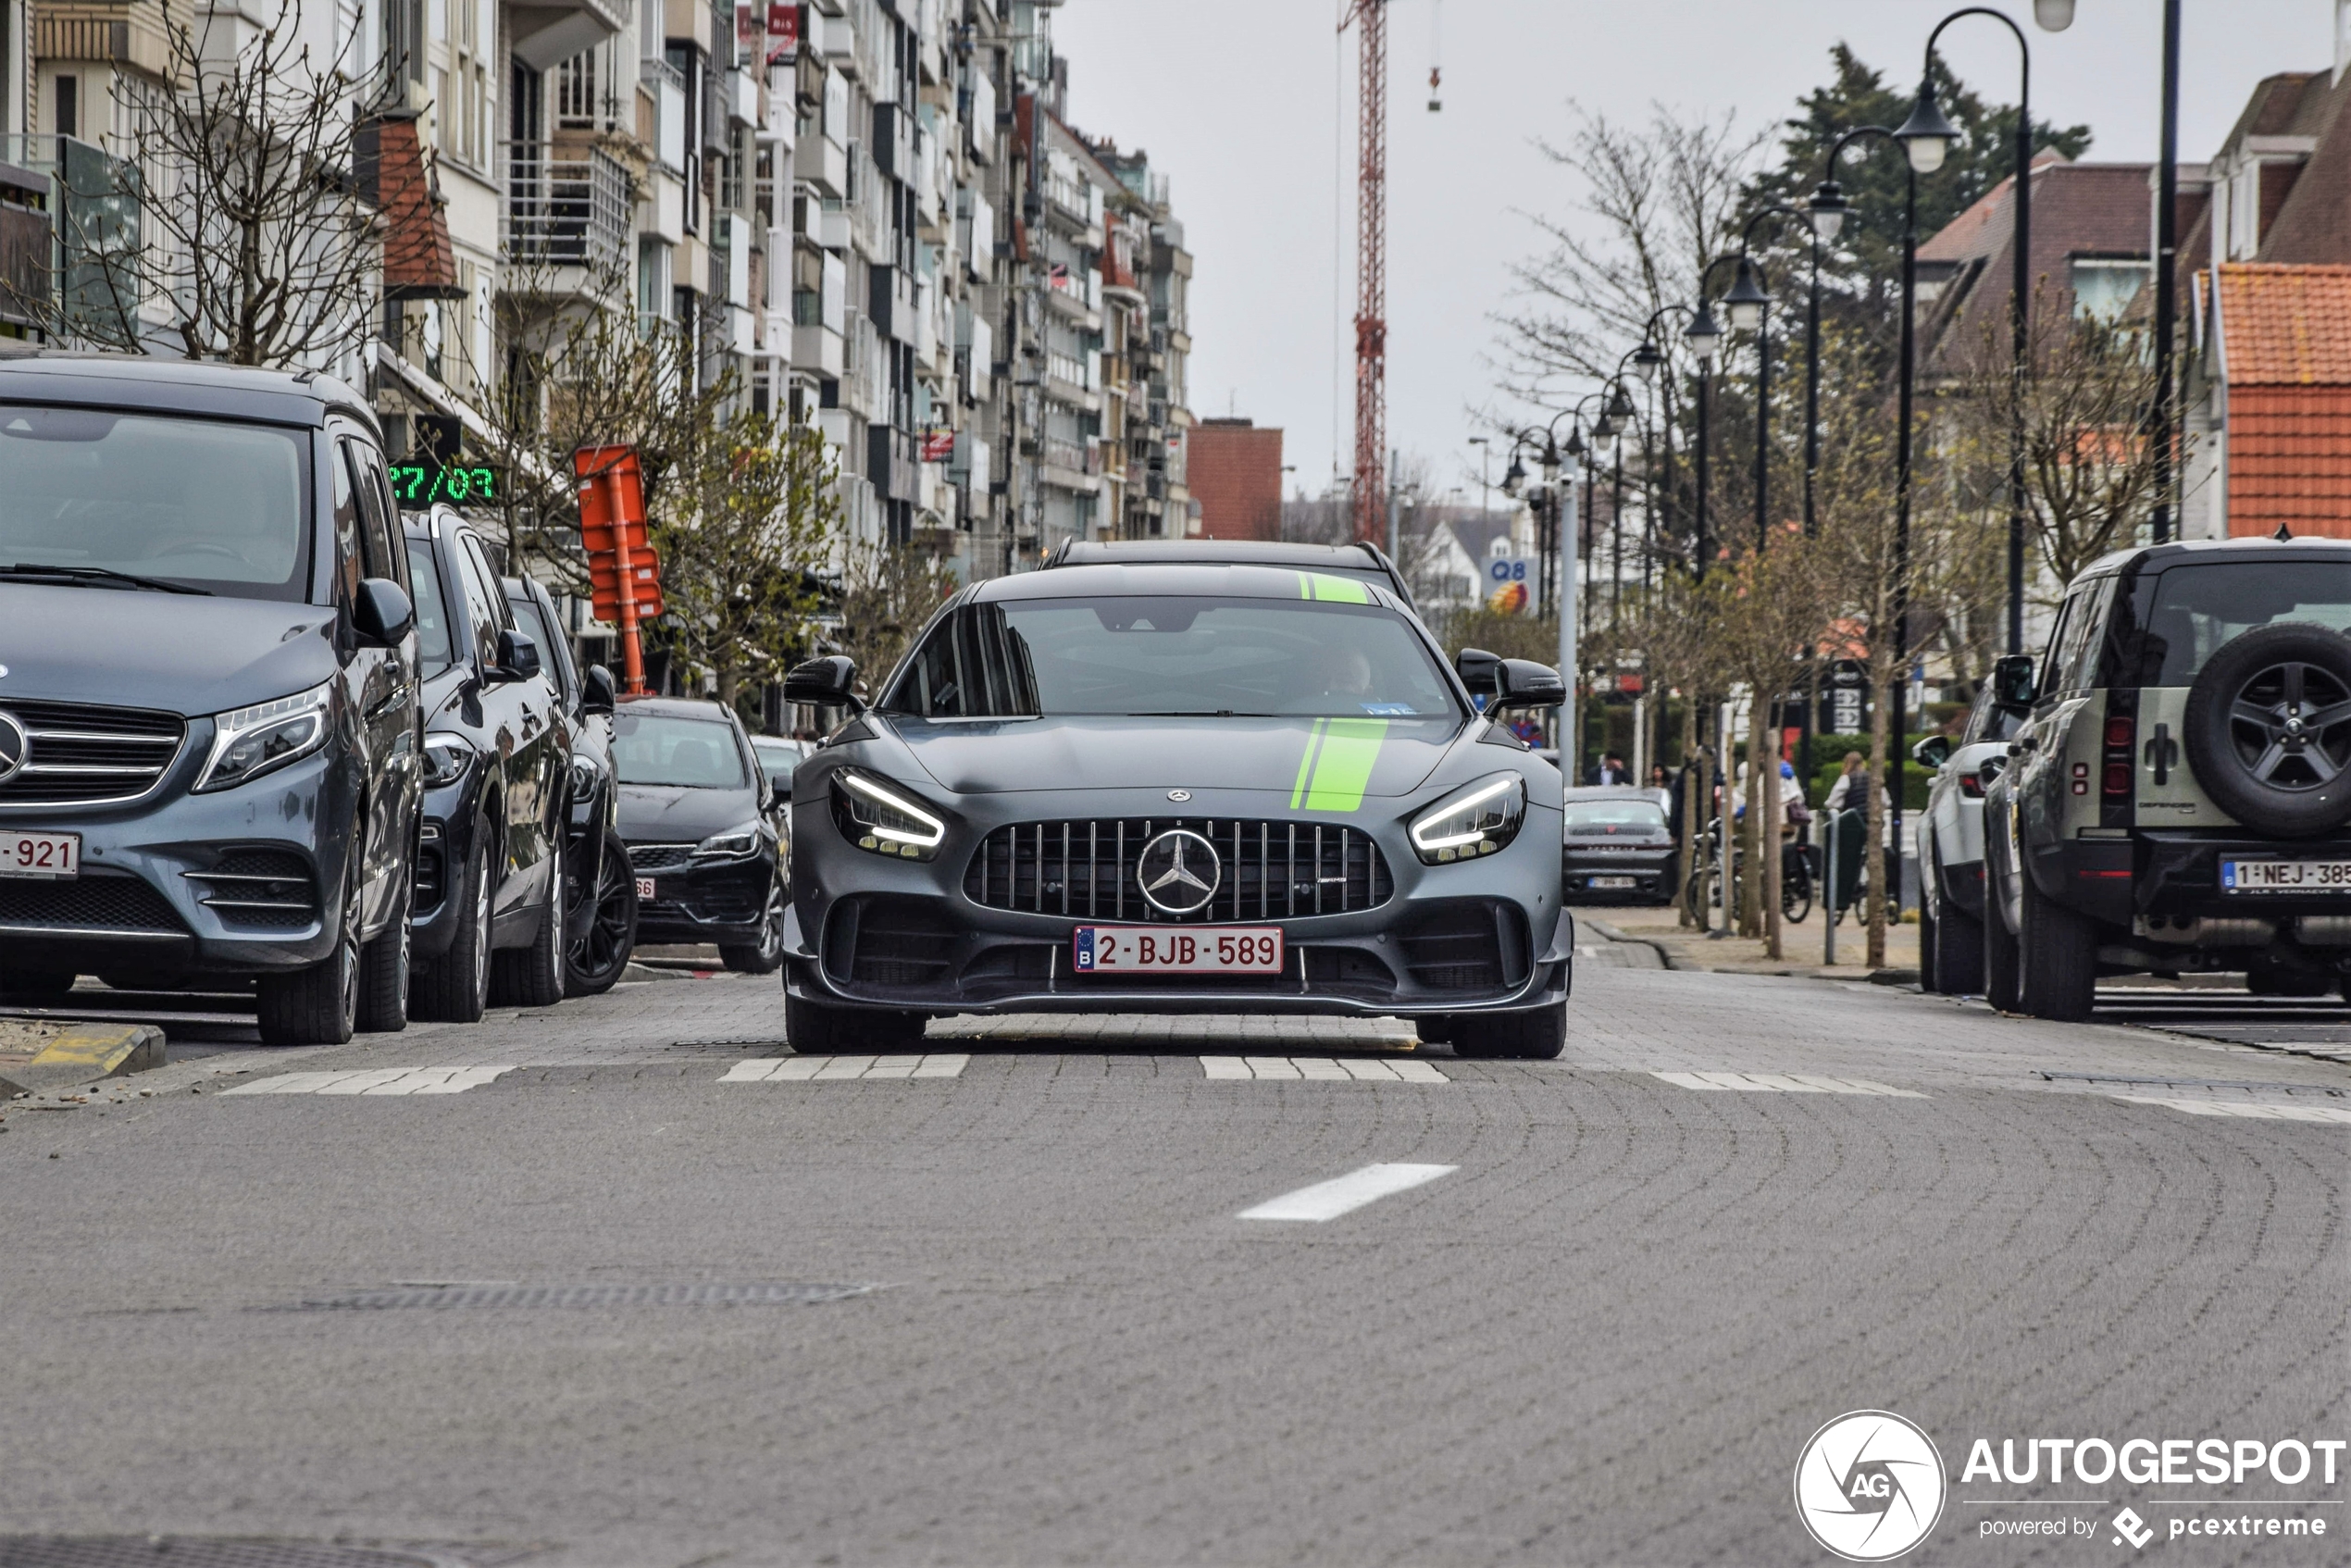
<point>84,1054</point>
<point>1612,934</point>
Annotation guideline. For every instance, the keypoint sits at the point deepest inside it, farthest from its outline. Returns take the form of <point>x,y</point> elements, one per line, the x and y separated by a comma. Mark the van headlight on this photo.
<point>248,742</point>
<point>878,815</point>
<point>1479,819</point>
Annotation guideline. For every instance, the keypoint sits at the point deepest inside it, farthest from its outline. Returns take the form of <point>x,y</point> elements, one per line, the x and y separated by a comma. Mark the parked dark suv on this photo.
<point>490,879</point>
<point>209,736</point>
<point>2179,797</point>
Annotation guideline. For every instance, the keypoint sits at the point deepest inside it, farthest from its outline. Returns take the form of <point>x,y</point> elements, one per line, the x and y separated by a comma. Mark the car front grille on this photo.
<point>80,754</point>
<point>267,890</point>
<point>88,902</point>
<point>659,857</point>
<point>1269,870</point>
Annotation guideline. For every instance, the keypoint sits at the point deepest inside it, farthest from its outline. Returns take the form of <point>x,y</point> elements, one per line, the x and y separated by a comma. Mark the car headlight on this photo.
<point>446,759</point>
<point>1470,822</point>
<point>250,742</point>
<point>585,778</point>
<point>876,815</point>
<point>733,844</point>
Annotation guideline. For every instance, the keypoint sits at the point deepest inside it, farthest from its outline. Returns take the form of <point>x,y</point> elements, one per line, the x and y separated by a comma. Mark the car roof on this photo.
<point>1148,578</point>
<point>2267,547</point>
<point>1354,560</point>
<point>179,386</point>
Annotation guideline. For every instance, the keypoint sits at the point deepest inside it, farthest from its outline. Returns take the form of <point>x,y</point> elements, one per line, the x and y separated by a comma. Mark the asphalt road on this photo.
<point>1585,1311</point>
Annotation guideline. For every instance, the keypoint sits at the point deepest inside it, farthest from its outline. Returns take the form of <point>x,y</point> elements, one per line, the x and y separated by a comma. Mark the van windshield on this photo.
<point>201,502</point>
<point>2200,606</point>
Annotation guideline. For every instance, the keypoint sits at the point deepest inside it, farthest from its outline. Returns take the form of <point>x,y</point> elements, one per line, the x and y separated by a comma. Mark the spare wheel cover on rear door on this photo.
<point>2269,729</point>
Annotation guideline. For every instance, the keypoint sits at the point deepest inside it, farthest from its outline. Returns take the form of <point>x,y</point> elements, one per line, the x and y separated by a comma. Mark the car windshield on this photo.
<point>699,753</point>
<point>1188,656</point>
<point>2199,606</point>
<point>200,502</point>
<point>435,653</point>
<point>1617,816</point>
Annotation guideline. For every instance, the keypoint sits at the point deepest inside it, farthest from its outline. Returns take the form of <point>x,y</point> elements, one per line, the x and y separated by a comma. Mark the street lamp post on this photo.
<point>1706,342</point>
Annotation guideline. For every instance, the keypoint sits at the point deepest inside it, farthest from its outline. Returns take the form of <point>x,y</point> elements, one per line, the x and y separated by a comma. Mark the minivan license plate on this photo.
<point>1191,950</point>
<point>2286,876</point>
<point>52,856</point>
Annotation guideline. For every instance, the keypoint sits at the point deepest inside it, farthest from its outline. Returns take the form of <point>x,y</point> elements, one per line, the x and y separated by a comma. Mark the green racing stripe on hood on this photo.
<point>1337,767</point>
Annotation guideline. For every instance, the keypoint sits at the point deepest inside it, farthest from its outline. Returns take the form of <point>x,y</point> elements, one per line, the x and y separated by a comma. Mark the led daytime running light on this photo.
<point>1423,838</point>
<point>933,830</point>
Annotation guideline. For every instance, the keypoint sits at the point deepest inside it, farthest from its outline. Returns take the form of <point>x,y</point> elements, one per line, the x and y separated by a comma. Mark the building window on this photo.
<point>575,92</point>
<point>2103,288</point>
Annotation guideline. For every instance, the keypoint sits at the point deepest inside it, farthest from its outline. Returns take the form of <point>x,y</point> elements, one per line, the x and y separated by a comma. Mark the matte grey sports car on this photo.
<point>1178,788</point>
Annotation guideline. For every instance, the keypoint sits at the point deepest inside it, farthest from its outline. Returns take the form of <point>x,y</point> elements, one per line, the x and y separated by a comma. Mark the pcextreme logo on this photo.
<point>1869,1485</point>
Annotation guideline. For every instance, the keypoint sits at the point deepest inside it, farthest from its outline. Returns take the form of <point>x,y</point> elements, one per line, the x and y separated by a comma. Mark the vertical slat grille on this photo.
<point>1269,870</point>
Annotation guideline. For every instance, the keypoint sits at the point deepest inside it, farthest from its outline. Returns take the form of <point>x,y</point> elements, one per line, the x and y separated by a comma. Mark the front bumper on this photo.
<point>231,883</point>
<point>1486,935</point>
<point>1594,876</point>
<point>723,903</point>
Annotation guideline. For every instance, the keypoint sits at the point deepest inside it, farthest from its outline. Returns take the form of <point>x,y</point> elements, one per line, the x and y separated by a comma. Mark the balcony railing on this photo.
<point>567,212</point>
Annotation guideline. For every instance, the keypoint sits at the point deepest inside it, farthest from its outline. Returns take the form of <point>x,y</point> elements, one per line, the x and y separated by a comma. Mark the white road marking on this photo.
<point>375,1081</point>
<point>840,1069</point>
<point>1786,1083</point>
<point>2247,1109</point>
<point>1328,1200</point>
<point>1325,1069</point>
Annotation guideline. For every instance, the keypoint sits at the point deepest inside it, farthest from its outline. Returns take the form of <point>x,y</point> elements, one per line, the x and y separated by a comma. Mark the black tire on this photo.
<point>33,980</point>
<point>607,937</point>
<point>454,987</point>
<point>2002,964</point>
<point>1538,1034</point>
<point>533,976</point>
<point>2268,729</point>
<point>2058,974</point>
<point>1930,951</point>
<point>768,954</point>
<point>2274,979</point>
<point>817,1028</point>
<point>1437,1030</point>
<point>319,1005</point>
<point>1959,951</point>
<point>383,979</point>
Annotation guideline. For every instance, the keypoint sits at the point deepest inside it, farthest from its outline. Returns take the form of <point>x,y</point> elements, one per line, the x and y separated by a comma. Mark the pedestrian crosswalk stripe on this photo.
<point>1327,1069</point>
<point>842,1069</point>
<point>375,1081</point>
<point>1786,1083</point>
<point>2245,1107</point>
<point>1328,1200</point>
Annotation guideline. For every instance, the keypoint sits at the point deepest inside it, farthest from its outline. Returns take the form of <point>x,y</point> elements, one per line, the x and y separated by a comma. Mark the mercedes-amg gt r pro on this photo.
<point>1178,788</point>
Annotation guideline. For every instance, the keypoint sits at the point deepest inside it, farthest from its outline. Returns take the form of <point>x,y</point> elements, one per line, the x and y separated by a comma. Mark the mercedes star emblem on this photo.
<point>14,744</point>
<point>1179,871</point>
<point>1179,794</point>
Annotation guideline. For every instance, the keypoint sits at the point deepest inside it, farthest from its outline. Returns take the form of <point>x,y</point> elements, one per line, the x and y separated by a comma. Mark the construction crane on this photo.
<point>1371,273</point>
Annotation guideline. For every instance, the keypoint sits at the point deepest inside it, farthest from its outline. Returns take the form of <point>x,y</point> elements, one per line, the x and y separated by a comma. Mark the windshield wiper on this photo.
<point>97,576</point>
<point>1203,713</point>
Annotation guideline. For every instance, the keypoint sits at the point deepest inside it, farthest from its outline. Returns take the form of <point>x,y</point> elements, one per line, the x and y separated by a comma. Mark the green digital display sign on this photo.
<point>456,484</point>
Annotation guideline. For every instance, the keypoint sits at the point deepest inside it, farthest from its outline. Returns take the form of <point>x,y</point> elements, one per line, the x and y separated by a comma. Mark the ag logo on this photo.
<point>14,745</point>
<point>1179,871</point>
<point>1869,1486</point>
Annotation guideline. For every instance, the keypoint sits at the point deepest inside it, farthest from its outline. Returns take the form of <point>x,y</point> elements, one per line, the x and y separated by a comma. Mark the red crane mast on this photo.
<point>1371,273</point>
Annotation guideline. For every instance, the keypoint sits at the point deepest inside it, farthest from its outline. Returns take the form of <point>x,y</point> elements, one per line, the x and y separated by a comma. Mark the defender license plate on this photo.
<point>1611,881</point>
<point>1190,949</point>
<point>51,856</point>
<point>2286,876</point>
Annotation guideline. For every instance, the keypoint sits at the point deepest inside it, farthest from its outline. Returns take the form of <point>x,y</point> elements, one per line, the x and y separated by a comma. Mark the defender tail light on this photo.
<point>2121,740</point>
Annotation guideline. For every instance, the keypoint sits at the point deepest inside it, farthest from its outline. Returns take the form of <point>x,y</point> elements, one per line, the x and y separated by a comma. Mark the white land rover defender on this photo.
<point>2178,798</point>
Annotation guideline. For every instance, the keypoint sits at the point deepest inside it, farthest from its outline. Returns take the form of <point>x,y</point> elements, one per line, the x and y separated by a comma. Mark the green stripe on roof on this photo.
<point>1336,590</point>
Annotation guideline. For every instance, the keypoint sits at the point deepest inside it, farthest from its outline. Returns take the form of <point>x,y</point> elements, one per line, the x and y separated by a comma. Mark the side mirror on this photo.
<point>596,693</point>
<point>2012,681</point>
<point>1989,771</point>
<point>779,782</point>
<point>517,657</point>
<point>1933,751</point>
<point>1523,683</point>
<point>1478,670</point>
<point>825,682</point>
<point>382,614</point>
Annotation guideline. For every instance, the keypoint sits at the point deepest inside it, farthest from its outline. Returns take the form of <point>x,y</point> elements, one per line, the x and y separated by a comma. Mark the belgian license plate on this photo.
<point>1192,950</point>
<point>645,887</point>
<point>1611,881</point>
<point>2286,876</point>
<point>53,856</point>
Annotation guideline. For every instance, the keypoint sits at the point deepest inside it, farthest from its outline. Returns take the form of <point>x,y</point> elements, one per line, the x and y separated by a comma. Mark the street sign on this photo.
<point>624,574</point>
<point>1513,586</point>
<point>1845,697</point>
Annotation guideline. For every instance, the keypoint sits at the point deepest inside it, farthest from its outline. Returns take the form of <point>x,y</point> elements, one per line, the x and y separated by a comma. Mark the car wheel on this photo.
<point>768,953</point>
<point>383,979</point>
<point>31,980</point>
<point>2058,973</point>
<point>2268,728</point>
<point>454,987</point>
<point>533,977</point>
<point>817,1028</point>
<point>2262,978</point>
<point>600,956</point>
<point>319,1005</point>
<point>1536,1034</point>
<point>1930,947</point>
<point>1959,951</point>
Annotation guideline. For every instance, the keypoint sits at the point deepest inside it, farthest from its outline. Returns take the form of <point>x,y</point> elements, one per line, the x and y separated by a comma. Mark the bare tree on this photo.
<point>888,593</point>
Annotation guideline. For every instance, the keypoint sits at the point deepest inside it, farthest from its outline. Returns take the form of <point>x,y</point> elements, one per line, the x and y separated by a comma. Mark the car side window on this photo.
<point>351,559</point>
<point>435,653</point>
<point>2052,661</point>
<point>380,523</point>
<point>480,614</point>
<point>552,656</point>
<point>2078,655</point>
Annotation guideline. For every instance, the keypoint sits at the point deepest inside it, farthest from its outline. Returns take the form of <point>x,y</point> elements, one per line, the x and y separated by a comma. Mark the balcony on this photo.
<point>68,255</point>
<point>544,33</point>
<point>817,348</point>
<point>567,212</point>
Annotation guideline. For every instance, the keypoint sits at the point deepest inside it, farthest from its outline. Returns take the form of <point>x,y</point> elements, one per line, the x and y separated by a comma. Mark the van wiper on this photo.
<point>94,575</point>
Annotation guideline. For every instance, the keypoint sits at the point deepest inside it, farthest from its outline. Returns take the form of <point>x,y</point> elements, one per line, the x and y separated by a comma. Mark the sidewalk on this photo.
<point>1685,948</point>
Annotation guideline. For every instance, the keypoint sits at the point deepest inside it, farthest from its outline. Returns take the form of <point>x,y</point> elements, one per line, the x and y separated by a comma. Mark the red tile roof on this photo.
<point>2290,460</point>
<point>2285,325</point>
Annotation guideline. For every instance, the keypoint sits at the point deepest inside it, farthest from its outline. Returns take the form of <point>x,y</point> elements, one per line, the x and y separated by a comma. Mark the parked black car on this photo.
<point>208,706</point>
<point>704,828</point>
<point>1619,848</point>
<point>600,931</point>
<point>490,881</point>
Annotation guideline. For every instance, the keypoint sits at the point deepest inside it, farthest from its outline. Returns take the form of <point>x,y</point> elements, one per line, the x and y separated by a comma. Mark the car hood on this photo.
<point>183,652</point>
<point>1342,760</point>
<point>669,814</point>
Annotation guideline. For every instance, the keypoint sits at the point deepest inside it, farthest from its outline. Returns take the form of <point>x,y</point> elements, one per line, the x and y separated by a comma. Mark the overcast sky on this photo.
<point>1249,105</point>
